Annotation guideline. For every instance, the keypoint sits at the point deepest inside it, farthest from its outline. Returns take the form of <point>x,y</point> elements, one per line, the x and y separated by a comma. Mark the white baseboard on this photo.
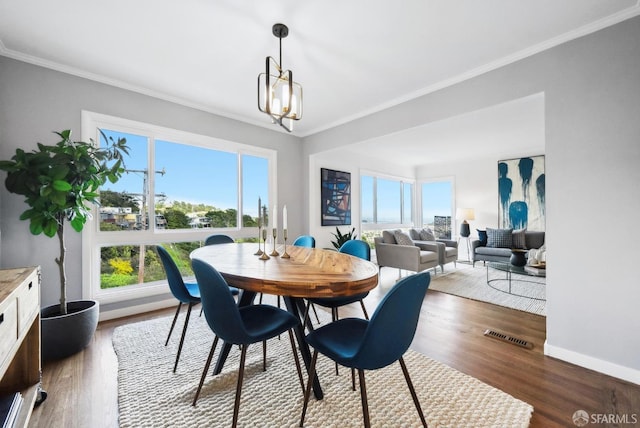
<point>135,310</point>
<point>601,366</point>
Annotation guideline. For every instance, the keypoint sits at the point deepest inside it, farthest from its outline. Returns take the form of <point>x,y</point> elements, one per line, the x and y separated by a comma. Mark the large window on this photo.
<point>385,203</point>
<point>255,171</point>
<point>436,207</point>
<point>196,187</point>
<point>178,189</point>
<point>388,201</point>
<point>367,193</point>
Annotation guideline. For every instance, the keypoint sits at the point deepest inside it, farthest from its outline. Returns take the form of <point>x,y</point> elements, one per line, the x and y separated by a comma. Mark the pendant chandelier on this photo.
<point>278,95</point>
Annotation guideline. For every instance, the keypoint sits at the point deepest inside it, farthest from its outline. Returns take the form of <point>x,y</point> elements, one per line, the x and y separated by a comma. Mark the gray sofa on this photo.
<point>489,252</point>
<point>414,255</point>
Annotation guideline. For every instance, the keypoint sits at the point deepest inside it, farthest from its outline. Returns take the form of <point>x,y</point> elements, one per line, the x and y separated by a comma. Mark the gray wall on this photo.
<point>592,105</point>
<point>35,101</point>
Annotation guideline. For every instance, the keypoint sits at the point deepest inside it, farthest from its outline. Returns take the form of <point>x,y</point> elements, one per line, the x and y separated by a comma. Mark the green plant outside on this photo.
<point>113,280</point>
<point>116,259</point>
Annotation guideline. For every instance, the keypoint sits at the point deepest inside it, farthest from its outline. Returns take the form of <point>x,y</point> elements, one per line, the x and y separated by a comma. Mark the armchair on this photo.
<point>447,248</point>
<point>412,252</point>
<point>408,257</point>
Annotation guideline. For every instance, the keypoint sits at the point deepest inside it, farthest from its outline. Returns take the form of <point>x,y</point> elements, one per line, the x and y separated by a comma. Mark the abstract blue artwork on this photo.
<point>521,193</point>
<point>335,197</point>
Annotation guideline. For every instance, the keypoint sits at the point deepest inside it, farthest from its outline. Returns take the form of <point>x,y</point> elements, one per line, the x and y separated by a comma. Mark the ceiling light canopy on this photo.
<point>278,95</point>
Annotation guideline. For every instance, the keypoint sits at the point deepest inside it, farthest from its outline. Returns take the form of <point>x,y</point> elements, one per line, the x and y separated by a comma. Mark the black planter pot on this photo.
<point>65,335</point>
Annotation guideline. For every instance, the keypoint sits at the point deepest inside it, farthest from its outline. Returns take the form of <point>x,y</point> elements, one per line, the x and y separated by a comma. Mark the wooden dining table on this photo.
<point>307,273</point>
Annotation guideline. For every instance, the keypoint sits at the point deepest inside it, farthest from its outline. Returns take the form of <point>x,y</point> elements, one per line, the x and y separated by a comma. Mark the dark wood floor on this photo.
<point>83,388</point>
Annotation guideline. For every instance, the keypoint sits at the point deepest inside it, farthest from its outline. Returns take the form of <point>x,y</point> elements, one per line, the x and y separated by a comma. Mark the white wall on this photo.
<point>592,105</point>
<point>353,163</point>
<point>476,186</point>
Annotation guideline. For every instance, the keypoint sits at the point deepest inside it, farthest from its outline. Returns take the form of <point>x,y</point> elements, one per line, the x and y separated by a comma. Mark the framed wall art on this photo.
<point>521,193</point>
<point>335,196</point>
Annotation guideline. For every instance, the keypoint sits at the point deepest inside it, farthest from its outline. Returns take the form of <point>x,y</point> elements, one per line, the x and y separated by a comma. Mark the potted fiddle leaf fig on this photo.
<point>60,183</point>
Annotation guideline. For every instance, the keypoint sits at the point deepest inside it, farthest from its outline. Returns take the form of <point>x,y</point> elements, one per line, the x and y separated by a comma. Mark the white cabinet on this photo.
<point>20,336</point>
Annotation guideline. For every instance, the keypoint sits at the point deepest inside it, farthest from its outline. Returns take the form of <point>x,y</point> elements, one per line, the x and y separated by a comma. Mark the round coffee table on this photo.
<point>511,284</point>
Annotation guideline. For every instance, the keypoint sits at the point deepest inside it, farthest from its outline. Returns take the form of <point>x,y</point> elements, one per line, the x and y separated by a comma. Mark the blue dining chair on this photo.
<point>218,239</point>
<point>371,345</point>
<point>221,239</point>
<point>305,241</point>
<point>357,248</point>
<point>185,292</point>
<point>239,325</point>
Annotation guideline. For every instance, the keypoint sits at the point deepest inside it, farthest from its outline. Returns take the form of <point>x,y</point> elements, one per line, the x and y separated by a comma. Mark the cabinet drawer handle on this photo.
<point>1,318</point>
<point>30,285</point>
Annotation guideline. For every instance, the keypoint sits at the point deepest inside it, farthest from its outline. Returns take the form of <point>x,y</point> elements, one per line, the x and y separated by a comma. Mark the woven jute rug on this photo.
<point>151,395</point>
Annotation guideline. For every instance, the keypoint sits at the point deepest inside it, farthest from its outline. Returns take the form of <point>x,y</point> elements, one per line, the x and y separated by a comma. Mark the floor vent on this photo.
<point>509,339</point>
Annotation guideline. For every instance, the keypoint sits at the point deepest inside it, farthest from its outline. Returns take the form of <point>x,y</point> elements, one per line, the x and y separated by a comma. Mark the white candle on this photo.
<point>265,219</point>
<point>274,223</point>
<point>284,218</point>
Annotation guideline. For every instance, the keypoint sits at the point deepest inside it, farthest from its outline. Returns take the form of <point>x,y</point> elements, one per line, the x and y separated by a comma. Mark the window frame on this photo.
<point>94,239</point>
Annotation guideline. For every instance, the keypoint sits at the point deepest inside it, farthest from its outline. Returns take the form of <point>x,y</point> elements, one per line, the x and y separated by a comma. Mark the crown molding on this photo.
<point>52,65</point>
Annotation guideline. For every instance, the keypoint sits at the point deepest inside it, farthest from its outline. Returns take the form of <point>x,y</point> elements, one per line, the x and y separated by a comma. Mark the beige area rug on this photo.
<point>150,395</point>
<point>471,282</point>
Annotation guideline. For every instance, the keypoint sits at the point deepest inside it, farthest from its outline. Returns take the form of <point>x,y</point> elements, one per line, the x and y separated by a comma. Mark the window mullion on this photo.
<point>401,202</point>
<point>151,183</point>
<point>375,200</point>
<point>239,206</point>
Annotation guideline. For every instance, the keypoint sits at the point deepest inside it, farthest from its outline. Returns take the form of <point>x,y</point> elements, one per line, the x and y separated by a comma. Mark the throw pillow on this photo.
<point>387,237</point>
<point>499,238</point>
<point>402,238</point>
<point>518,239</point>
<point>427,235</point>
<point>414,234</point>
<point>482,237</point>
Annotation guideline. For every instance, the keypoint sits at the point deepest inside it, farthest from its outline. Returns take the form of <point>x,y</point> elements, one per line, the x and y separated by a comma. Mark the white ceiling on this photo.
<point>352,57</point>
<point>510,129</point>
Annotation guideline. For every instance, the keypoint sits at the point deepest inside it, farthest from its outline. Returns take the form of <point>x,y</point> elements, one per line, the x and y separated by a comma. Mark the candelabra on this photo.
<point>285,255</point>
<point>264,255</point>
<point>274,253</point>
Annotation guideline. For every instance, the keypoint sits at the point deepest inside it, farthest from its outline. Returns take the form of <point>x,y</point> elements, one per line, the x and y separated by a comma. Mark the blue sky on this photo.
<point>436,200</point>
<point>194,174</point>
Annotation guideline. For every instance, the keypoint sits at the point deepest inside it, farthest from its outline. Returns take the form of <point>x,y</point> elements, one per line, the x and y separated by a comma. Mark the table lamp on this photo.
<point>465,214</point>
